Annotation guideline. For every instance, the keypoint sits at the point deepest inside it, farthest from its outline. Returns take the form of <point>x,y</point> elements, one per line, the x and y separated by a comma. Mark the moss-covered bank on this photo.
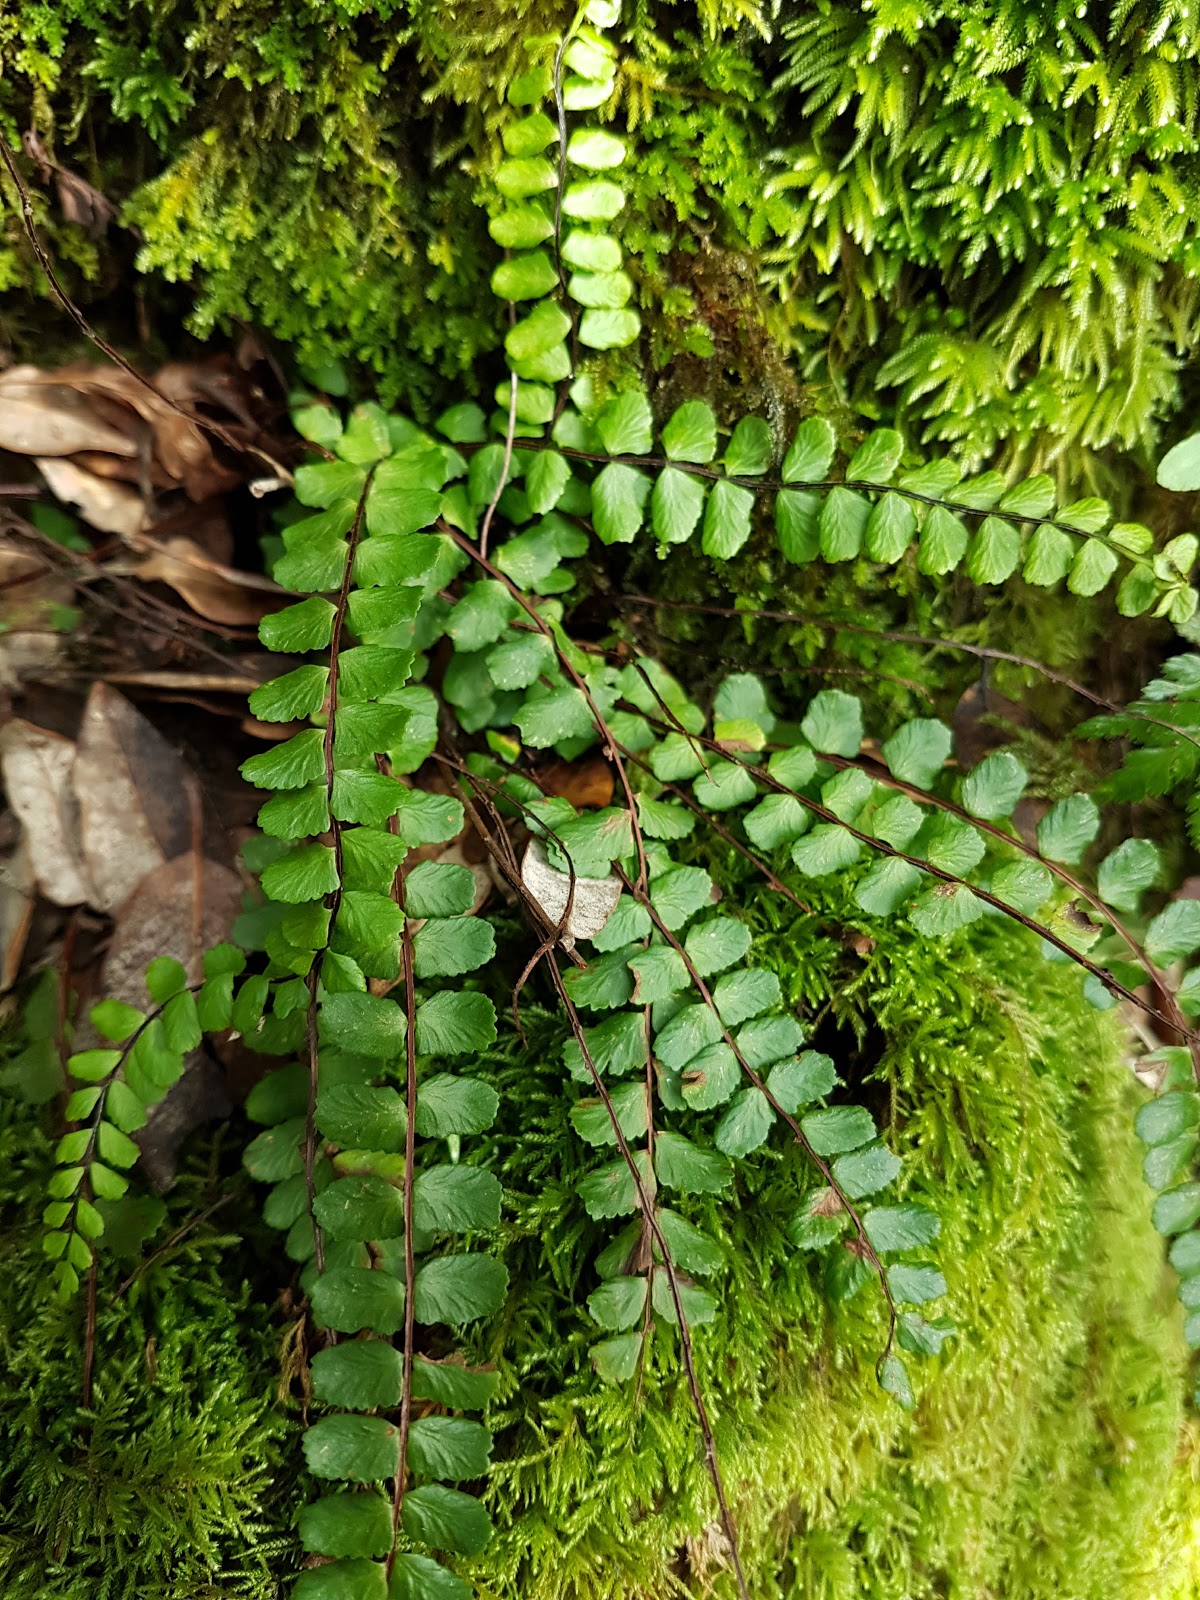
<point>1048,1455</point>
<point>1043,1457</point>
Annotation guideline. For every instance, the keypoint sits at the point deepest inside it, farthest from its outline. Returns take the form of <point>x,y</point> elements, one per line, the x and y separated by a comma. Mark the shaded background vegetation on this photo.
<point>977,221</point>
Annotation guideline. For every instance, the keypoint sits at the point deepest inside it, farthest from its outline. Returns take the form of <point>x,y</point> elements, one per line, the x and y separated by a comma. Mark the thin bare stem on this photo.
<point>231,442</point>
<point>177,1237</point>
<point>510,433</point>
<point>89,1337</point>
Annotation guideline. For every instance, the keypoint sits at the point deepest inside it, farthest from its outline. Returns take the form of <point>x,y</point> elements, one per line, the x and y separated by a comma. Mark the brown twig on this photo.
<point>505,857</point>
<point>238,446</point>
<point>180,1234</point>
<point>510,433</point>
<point>89,1337</point>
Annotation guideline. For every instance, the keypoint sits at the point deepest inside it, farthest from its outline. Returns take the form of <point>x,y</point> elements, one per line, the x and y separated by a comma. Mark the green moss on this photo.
<point>1048,1458</point>
<point>973,217</point>
<point>1041,1460</point>
<point>179,1480</point>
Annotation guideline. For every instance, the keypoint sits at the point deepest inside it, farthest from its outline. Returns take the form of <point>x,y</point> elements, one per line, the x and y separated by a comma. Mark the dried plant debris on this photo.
<point>134,807</point>
<point>99,411</point>
<point>577,907</point>
<point>100,812</point>
<point>36,603</point>
<point>79,201</point>
<point>38,769</point>
<point>179,909</point>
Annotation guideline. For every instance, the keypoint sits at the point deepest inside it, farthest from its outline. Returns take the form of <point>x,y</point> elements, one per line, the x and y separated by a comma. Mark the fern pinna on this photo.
<point>433,660</point>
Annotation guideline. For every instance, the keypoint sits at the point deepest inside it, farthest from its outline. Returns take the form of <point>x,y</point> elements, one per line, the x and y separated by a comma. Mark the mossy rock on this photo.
<point>1048,1454</point>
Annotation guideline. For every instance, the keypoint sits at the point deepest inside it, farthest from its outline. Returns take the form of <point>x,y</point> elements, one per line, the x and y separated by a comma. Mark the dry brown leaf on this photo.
<point>593,902</point>
<point>30,592</point>
<point>219,593</point>
<point>81,202</point>
<point>189,382</point>
<point>42,418</point>
<point>205,524</point>
<point>132,790</point>
<point>104,504</point>
<point>162,918</point>
<point>179,445</point>
<point>585,782</point>
<point>978,723</point>
<point>18,900</point>
<point>239,683</point>
<point>178,910</point>
<point>38,767</point>
<point>271,732</point>
<point>141,473</point>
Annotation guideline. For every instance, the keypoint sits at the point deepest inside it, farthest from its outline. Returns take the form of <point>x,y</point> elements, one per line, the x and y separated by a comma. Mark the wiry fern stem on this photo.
<point>646,1204</point>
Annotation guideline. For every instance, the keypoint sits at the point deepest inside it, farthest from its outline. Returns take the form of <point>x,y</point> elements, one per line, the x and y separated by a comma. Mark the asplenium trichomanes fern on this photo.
<point>434,658</point>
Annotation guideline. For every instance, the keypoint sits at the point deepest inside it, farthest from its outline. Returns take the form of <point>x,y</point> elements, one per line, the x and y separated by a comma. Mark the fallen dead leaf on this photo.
<point>179,909</point>
<point>132,788</point>
<point>199,683</point>
<point>31,591</point>
<point>143,474</point>
<point>18,900</point>
<point>213,382</point>
<point>205,523</point>
<point>38,767</point>
<point>182,449</point>
<point>81,202</point>
<point>218,593</point>
<point>585,782</point>
<point>270,732</point>
<point>103,503</point>
<point>593,902</point>
<point>978,723</point>
<point>40,416</point>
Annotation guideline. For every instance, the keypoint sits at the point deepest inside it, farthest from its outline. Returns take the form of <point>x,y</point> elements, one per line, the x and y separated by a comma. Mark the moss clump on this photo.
<point>179,1480</point>
<point>973,217</point>
<point>1048,1457</point>
<point>1042,1458</point>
